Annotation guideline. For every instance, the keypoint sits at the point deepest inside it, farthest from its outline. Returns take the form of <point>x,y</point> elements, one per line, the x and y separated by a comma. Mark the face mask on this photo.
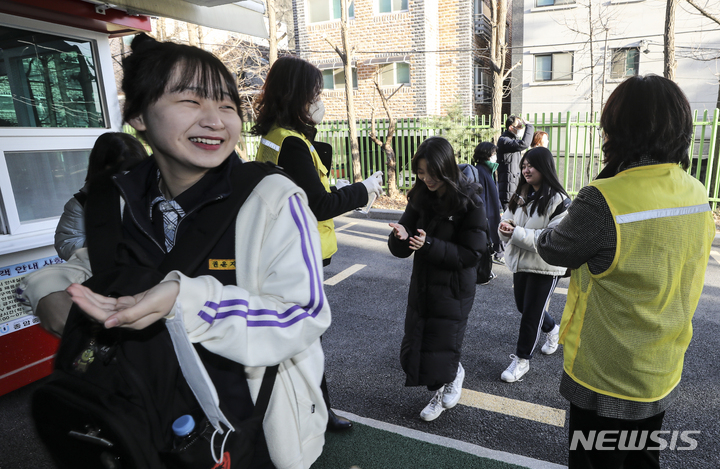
<point>520,133</point>
<point>317,111</point>
<point>493,159</point>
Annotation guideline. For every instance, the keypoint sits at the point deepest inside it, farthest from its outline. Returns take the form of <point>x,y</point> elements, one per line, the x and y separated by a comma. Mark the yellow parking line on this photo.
<point>334,280</point>
<point>512,407</point>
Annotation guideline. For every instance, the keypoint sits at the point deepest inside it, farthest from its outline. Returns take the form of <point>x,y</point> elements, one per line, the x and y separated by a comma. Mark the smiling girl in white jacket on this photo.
<point>538,201</point>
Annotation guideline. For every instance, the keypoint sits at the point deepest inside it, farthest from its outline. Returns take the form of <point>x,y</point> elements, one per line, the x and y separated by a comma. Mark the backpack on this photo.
<point>484,267</point>
<point>115,393</point>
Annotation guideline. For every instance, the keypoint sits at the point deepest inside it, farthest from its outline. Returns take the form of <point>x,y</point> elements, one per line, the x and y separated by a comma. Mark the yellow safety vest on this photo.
<point>626,330</point>
<point>269,150</point>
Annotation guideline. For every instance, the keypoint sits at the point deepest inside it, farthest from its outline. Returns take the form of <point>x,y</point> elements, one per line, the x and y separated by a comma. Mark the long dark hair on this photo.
<point>440,159</point>
<point>646,116</point>
<point>114,152</point>
<point>155,68</point>
<point>541,159</point>
<point>291,85</point>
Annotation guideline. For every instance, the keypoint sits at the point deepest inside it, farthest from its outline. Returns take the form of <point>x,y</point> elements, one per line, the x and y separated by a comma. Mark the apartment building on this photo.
<point>575,52</point>
<point>430,53</point>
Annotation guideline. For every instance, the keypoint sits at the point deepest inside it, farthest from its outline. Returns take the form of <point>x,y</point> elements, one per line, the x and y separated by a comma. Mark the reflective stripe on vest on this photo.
<point>625,331</point>
<point>269,150</point>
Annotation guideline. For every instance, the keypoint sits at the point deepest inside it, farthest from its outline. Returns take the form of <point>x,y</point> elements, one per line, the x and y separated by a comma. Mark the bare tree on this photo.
<point>274,37</point>
<point>346,54</point>
<point>386,146</point>
<point>669,63</point>
<point>498,55</point>
<point>598,23</point>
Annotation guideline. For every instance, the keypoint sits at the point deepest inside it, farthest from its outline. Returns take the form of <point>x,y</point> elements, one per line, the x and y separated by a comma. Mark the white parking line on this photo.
<point>715,255</point>
<point>366,235</point>
<point>346,226</point>
<point>561,290</point>
<point>334,280</point>
<point>513,407</point>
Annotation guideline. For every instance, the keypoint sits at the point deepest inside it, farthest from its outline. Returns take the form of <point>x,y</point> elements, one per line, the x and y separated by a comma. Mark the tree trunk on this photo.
<point>392,169</point>
<point>272,32</point>
<point>193,35</point>
<point>498,50</point>
<point>592,58</point>
<point>670,64</point>
<point>346,57</point>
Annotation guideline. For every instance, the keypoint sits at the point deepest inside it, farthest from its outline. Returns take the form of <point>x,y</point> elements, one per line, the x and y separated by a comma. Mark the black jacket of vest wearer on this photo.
<point>143,230</point>
<point>442,290</point>
<point>509,154</point>
<point>296,161</point>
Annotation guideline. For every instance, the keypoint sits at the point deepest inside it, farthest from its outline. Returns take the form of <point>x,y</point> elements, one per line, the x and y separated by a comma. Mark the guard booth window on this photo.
<point>48,81</point>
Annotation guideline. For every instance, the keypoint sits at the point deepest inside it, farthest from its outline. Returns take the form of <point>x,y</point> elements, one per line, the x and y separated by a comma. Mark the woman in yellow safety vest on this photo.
<point>638,240</point>
<point>288,109</point>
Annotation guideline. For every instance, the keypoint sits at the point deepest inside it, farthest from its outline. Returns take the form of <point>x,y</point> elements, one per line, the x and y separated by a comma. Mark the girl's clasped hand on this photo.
<point>416,242</point>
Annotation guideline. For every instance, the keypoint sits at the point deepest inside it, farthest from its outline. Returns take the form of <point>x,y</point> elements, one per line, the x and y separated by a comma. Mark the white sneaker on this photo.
<point>516,370</point>
<point>451,395</point>
<point>434,408</point>
<point>551,343</point>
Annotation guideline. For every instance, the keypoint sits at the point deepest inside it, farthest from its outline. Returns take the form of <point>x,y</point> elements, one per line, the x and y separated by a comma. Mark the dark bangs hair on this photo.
<point>114,152</point>
<point>440,159</point>
<point>291,85</point>
<point>155,68</point>
<point>646,116</point>
<point>541,159</point>
<point>483,152</point>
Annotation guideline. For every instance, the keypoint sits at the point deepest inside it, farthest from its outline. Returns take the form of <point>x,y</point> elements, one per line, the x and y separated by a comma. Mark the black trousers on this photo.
<point>586,421</point>
<point>532,297</point>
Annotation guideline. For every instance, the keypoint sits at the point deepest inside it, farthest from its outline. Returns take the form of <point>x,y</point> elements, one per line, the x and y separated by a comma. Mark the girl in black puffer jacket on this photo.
<point>444,224</point>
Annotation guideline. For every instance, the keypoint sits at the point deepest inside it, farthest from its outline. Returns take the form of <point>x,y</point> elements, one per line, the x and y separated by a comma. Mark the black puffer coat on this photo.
<point>442,290</point>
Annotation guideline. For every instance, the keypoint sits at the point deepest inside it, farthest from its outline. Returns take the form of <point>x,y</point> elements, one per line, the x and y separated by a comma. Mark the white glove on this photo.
<point>340,183</point>
<point>374,184</point>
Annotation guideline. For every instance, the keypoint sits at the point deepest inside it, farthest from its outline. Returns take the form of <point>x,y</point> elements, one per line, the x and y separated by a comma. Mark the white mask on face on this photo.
<point>520,133</point>
<point>317,111</point>
<point>493,158</point>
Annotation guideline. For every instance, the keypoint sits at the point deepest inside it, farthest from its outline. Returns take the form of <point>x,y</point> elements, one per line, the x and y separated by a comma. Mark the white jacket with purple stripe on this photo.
<point>276,314</point>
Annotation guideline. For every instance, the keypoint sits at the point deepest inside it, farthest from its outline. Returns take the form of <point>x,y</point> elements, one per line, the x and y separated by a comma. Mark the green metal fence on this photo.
<point>574,140</point>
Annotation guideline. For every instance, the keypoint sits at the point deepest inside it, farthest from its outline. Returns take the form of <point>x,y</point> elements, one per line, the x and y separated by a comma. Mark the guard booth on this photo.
<point>57,95</point>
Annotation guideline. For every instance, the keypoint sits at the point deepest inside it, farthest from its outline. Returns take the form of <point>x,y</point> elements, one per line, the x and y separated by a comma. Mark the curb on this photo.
<point>376,214</point>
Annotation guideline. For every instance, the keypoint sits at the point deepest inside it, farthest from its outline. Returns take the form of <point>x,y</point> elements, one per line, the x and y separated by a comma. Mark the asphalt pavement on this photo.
<point>363,345</point>
<point>367,289</point>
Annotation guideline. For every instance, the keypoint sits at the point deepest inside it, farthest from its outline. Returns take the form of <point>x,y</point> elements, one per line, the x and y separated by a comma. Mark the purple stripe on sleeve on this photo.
<point>313,270</point>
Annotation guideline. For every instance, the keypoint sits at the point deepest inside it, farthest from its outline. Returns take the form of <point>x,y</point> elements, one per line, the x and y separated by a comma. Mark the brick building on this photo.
<point>433,50</point>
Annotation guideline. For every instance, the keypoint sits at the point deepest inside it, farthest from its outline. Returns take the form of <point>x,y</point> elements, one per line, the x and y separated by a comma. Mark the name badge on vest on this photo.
<point>221,264</point>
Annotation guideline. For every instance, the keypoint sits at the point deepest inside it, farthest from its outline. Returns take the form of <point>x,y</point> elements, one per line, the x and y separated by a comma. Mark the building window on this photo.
<point>48,81</point>
<point>625,62</point>
<point>327,10</point>
<point>554,67</point>
<point>483,85</point>
<point>395,74</point>
<point>42,181</point>
<point>334,79</point>
<point>390,6</point>
<point>550,3</point>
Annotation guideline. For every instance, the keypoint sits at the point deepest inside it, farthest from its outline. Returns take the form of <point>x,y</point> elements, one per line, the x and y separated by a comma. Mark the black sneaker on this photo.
<point>492,276</point>
<point>498,260</point>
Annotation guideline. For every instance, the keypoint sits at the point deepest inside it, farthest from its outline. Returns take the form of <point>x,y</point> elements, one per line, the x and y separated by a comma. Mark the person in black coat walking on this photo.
<point>485,160</point>
<point>444,225</point>
<point>511,144</point>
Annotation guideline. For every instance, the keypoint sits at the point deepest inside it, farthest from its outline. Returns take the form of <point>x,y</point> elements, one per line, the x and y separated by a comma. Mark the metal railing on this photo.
<point>574,139</point>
